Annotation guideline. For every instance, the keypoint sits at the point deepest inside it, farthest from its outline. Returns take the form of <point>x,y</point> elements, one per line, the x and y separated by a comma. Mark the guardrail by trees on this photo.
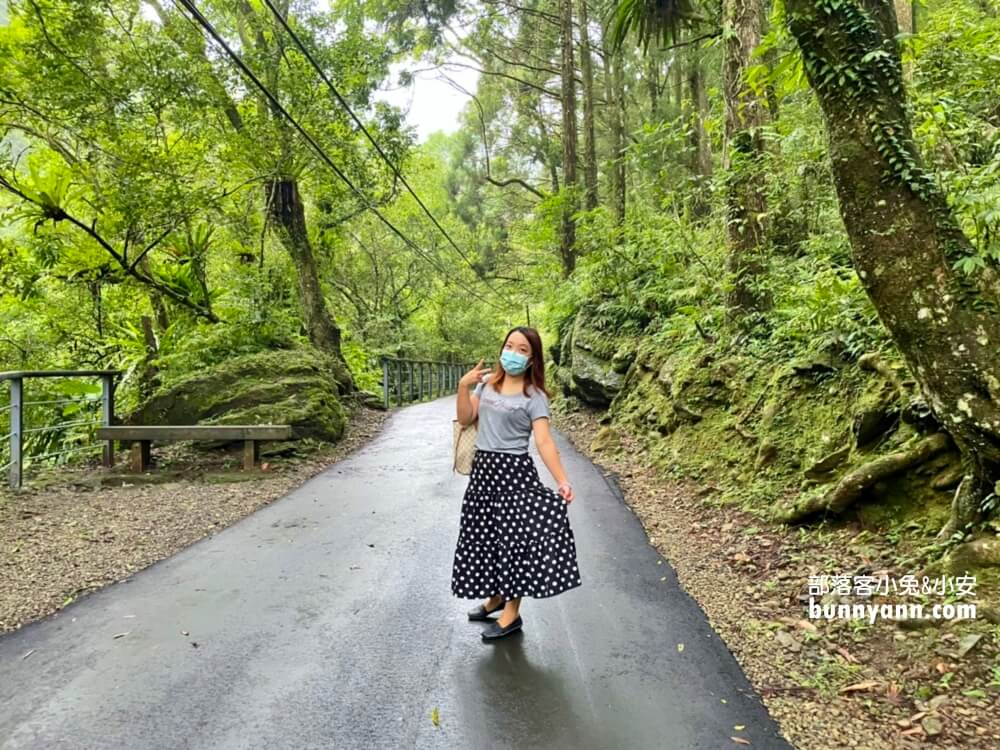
<point>16,408</point>
<point>403,381</point>
<point>407,380</point>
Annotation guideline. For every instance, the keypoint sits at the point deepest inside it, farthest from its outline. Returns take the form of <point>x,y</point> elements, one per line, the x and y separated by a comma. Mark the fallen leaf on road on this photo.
<point>435,717</point>
<point>860,686</point>
<point>740,740</point>
<point>739,727</point>
<point>680,646</point>
<point>892,694</point>
<point>846,654</point>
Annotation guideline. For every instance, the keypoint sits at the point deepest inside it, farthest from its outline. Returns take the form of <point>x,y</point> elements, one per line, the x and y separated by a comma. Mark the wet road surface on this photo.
<point>326,620</point>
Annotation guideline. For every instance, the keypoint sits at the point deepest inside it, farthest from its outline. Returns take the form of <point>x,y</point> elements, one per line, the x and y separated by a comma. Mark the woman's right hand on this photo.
<point>474,375</point>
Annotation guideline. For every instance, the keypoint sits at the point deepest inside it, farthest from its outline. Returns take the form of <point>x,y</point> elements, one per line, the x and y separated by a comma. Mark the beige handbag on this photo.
<point>464,445</point>
<point>464,448</point>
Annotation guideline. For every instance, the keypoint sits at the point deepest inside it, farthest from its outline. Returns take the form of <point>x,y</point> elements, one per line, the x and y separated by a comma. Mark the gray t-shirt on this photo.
<point>505,420</point>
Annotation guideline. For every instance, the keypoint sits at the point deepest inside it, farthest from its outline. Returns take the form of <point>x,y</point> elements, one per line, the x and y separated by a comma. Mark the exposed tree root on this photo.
<point>966,505</point>
<point>853,484</point>
<point>978,553</point>
<point>874,363</point>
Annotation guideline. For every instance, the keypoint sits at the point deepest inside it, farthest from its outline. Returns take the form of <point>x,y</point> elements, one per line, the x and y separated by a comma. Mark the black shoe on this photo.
<point>481,613</point>
<point>494,631</point>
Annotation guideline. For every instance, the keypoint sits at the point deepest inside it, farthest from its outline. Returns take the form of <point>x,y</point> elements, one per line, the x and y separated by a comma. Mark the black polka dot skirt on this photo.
<point>514,535</point>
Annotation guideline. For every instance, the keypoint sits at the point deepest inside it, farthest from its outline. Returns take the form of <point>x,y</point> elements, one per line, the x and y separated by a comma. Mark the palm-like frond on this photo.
<point>648,19</point>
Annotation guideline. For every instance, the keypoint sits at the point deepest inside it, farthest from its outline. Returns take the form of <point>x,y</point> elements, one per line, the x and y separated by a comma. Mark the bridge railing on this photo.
<point>409,380</point>
<point>48,431</point>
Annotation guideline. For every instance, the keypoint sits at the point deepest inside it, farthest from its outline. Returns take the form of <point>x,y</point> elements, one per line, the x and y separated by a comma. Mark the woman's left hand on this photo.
<point>566,491</point>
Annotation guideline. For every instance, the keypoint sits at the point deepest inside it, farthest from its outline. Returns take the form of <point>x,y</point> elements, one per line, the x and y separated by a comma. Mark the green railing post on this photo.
<point>16,425</point>
<point>108,416</point>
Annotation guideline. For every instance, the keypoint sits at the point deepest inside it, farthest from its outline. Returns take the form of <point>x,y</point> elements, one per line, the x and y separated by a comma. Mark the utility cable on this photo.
<point>208,27</point>
<point>357,121</point>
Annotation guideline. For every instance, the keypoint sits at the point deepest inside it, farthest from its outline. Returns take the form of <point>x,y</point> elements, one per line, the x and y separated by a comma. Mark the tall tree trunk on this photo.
<point>287,214</point>
<point>699,136</point>
<point>701,149</point>
<point>677,79</point>
<point>653,84</point>
<point>904,15</point>
<point>150,373</point>
<point>904,237</point>
<point>285,209</point>
<point>746,203</point>
<point>614,97</point>
<point>568,96</point>
<point>771,60</point>
<point>589,145</point>
<point>905,19</point>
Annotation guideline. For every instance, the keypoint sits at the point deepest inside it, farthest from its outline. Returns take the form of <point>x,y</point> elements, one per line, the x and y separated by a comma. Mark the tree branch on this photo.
<point>58,214</point>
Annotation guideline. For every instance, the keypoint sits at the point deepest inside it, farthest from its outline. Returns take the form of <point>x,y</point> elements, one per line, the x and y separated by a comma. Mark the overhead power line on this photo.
<point>357,121</point>
<point>191,8</point>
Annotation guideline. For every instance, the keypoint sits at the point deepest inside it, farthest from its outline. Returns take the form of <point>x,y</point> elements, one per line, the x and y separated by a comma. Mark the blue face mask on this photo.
<point>513,363</point>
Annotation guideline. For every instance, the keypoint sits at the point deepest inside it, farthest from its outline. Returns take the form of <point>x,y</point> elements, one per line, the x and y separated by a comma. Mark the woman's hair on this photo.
<point>535,374</point>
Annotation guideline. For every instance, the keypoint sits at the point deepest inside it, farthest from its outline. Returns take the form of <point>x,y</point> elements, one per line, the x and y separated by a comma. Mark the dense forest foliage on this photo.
<point>735,190</point>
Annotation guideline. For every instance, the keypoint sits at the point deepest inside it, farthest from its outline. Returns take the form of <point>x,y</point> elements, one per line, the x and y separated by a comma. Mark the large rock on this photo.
<point>589,369</point>
<point>298,387</point>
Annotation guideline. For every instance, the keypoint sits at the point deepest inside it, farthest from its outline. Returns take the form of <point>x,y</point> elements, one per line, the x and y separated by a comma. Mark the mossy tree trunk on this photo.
<point>287,214</point>
<point>904,237</point>
<point>746,203</point>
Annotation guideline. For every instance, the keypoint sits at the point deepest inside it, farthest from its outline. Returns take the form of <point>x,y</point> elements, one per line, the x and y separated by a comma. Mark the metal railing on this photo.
<point>16,409</point>
<point>407,380</point>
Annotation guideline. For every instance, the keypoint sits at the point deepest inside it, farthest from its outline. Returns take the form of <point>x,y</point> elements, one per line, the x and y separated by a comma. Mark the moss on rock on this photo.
<point>591,363</point>
<point>297,387</point>
<point>762,424</point>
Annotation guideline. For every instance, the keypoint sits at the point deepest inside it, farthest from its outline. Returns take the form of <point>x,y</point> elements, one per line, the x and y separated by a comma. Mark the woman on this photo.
<point>514,538</point>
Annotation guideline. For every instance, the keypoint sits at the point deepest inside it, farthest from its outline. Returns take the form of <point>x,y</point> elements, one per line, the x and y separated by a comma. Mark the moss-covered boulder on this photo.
<point>297,387</point>
<point>590,365</point>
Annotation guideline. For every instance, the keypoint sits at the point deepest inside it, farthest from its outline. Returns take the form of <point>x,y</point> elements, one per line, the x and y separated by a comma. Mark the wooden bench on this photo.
<point>142,435</point>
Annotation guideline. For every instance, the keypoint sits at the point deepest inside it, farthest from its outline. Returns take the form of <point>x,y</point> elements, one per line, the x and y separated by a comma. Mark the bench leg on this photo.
<point>251,454</point>
<point>108,456</point>
<point>140,455</point>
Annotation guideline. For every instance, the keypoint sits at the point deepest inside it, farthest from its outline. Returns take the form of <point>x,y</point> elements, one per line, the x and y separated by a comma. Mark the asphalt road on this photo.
<point>326,620</point>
